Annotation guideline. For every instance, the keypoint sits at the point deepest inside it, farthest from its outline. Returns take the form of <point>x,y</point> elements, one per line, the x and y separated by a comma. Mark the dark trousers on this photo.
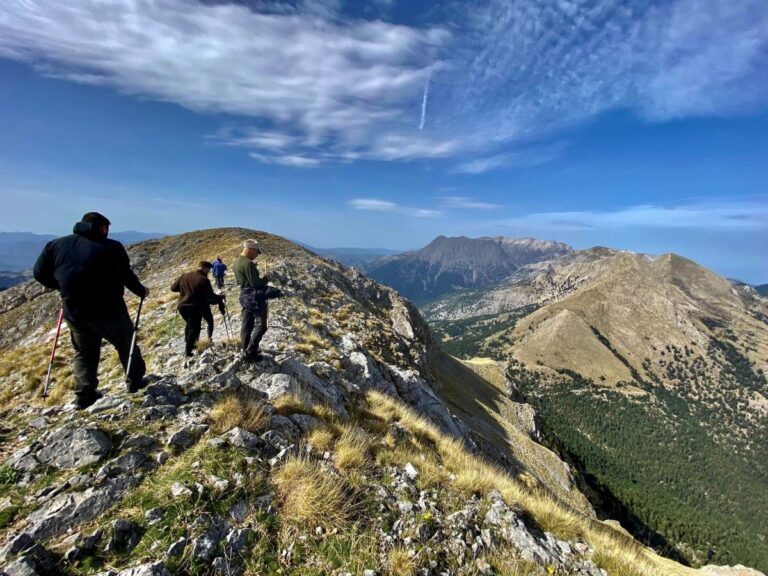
<point>208,317</point>
<point>193,318</point>
<point>219,281</point>
<point>253,328</point>
<point>86,340</point>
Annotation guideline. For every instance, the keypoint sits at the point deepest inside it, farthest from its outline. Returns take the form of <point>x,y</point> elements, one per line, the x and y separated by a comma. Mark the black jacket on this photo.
<point>91,273</point>
<point>195,290</point>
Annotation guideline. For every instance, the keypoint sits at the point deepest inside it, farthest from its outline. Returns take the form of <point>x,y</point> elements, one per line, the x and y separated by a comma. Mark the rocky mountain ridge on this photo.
<point>356,446</point>
<point>670,345</point>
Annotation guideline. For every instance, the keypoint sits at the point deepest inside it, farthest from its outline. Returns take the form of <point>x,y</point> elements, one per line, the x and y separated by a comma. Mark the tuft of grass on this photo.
<point>311,496</point>
<point>8,475</point>
<point>239,409</point>
<point>321,439</point>
<point>7,515</point>
<point>400,562</point>
<point>291,403</point>
<point>504,562</point>
<point>553,517</point>
<point>305,349</point>
<point>353,450</point>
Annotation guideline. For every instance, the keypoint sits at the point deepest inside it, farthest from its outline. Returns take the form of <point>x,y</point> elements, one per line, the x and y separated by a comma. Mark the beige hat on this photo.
<point>251,243</point>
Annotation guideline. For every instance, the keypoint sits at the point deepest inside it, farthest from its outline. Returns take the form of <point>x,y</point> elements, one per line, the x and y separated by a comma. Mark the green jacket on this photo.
<point>246,273</point>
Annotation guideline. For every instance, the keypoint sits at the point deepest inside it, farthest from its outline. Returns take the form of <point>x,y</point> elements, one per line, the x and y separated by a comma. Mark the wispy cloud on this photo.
<point>286,160</point>
<point>376,205</point>
<point>320,86</point>
<point>541,66</point>
<point>372,204</point>
<point>464,202</point>
<point>737,215</point>
<point>303,84</point>
<point>522,157</point>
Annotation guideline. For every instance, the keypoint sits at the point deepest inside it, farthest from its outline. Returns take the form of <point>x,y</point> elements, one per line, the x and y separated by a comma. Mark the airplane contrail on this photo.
<point>424,104</point>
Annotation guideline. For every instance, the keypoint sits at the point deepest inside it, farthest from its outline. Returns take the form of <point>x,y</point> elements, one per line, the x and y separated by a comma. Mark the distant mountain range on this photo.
<point>19,250</point>
<point>762,289</point>
<point>356,257</point>
<point>449,264</point>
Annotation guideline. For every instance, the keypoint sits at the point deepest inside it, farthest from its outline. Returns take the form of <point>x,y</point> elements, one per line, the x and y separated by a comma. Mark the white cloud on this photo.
<point>294,160</point>
<point>546,65</point>
<point>321,87</point>
<point>372,204</point>
<point>303,84</point>
<point>464,202</point>
<point>387,206</point>
<point>522,157</point>
<point>744,215</point>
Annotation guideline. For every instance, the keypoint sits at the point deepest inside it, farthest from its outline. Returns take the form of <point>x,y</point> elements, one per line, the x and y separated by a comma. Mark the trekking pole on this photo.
<point>133,339</point>
<point>225,313</point>
<point>53,352</point>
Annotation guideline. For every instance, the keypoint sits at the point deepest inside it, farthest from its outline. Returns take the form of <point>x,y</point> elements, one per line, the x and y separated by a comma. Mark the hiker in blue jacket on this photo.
<point>219,269</point>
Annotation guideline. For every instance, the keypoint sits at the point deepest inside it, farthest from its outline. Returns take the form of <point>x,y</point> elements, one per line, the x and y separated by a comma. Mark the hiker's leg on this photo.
<point>87,346</point>
<point>118,331</point>
<point>246,327</point>
<point>259,328</point>
<point>193,318</point>
<point>208,317</point>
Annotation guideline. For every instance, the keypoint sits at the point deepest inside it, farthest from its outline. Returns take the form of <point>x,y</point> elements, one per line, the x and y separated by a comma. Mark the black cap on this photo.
<point>98,220</point>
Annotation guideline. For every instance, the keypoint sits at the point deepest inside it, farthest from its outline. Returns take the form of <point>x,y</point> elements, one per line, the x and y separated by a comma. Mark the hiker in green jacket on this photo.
<point>252,299</point>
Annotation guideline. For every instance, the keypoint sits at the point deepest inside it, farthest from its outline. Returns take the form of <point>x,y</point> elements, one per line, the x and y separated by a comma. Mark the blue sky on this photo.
<point>637,125</point>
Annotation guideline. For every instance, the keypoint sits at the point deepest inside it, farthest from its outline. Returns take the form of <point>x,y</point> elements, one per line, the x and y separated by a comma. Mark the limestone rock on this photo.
<point>72,447</point>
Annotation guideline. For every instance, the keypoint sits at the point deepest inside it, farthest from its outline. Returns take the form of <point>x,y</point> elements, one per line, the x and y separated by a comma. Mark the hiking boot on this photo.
<point>86,399</point>
<point>134,386</point>
<point>255,357</point>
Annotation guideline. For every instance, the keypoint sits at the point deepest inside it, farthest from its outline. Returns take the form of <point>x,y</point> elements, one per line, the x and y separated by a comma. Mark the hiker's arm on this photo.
<point>252,277</point>
<point>176,286</point>
<point>130,280</point>
<point>210,296</point>
<point>43,271</point>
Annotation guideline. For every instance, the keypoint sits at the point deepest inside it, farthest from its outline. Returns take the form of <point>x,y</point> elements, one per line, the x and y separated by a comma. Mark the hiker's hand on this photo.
<point>146,292</point>
<point>221,307</point>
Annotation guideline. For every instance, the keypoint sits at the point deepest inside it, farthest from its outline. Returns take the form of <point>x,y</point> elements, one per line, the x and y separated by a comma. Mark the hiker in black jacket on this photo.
<point>91,272</point>
<point>196,296</point>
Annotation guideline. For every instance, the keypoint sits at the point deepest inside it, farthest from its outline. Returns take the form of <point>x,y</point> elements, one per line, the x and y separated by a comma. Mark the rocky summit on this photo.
<point>354,446</point>
<point>447,265</point>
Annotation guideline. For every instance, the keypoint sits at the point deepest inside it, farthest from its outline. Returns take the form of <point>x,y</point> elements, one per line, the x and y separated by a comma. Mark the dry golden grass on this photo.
<point>314,340</point>
<point>621,559</point>
<point>400,563</point>
<point>241,409</point>
<point>553,517</point>
<point>321,439</point>
<point>614,549</point>
<point>311,496</point>
<point>353,450</point>
<point>291,403</point>
<point>504,562</point>
<point>305,349</point>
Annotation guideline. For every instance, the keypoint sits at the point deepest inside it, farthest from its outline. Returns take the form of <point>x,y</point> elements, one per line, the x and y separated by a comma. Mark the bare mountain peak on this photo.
<point>455,263</point>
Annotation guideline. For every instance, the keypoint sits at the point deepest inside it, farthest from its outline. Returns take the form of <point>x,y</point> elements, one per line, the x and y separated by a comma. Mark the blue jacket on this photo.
<point>219,268</point>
